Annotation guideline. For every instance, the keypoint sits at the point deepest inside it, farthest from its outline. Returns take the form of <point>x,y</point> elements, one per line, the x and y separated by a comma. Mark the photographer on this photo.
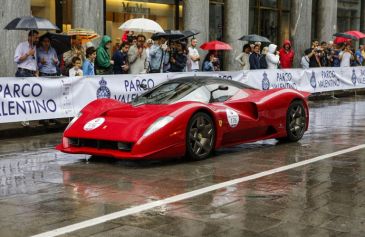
<point>324,55</point>
<point>178,58</point>
<point>315,54</point>
<point>346,56</point>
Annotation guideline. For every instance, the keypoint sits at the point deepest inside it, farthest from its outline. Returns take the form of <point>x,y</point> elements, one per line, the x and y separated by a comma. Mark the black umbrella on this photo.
<point>30,23</point>
<point>168,34</point>
<point>344,35</point>
<point>255,38</point>
<point>190,33</point>
<point>187,34</point>
<point>60,42</point>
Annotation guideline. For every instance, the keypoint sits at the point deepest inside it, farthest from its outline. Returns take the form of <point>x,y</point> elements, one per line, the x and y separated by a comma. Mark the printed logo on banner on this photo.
<point>361,78</point>
<point>313,80</point>
<point>328,79</point>
<point>25,100</point>
<point>103,91</point>
<point>265,82</point>
<point>353,77</point>
<point>132,87</point>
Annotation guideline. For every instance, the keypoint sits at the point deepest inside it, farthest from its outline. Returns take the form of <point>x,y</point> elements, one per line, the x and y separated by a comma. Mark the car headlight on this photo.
<point>158,124</point>
<point>74,120</point>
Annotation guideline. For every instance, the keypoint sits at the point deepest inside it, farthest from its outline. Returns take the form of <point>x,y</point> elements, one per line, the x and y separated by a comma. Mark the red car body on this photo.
<point>261,115</point>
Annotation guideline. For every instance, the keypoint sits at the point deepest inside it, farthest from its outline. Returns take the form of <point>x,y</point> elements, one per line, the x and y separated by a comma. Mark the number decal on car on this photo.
<point>93,124</point>
<point>232,117</point>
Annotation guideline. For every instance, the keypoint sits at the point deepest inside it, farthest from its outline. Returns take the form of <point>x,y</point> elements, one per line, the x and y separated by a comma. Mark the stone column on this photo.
<point>362,19</point>
<point>236,15</point>
<point>300,27</point>
<point>327,19</point>
<point>11,38</point>
<point>196,17</point>
<point>88,14</point>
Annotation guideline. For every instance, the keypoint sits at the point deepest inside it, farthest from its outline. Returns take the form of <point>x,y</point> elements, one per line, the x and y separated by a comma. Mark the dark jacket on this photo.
<point>120,59</point>
<point>263,62</point>
<point>180,62</point>
<point>254,61</point>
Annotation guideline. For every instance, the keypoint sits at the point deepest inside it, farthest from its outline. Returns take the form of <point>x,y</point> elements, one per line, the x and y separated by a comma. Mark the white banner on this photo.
<point>45,98</point>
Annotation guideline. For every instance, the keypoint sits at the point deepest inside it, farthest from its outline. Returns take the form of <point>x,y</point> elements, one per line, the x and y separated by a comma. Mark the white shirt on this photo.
<point>193,65</point>
<point>305,62</point>
<point>244,60</point>
<point>73,72</point>
<point>346,58</point>
<point>30,62</point>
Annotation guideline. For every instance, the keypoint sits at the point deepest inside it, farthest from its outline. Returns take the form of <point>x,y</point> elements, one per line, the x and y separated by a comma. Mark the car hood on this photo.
<point>123,122</point>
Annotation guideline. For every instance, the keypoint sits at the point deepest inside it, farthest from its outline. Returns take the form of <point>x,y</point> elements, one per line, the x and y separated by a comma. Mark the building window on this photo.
<point>348,15</point>
<point>270,18</point>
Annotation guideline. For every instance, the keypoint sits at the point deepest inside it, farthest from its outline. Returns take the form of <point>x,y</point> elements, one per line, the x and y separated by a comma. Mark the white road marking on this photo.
<point>183,196</point>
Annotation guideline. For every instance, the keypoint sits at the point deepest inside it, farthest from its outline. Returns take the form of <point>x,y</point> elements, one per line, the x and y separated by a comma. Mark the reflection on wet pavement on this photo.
<point>42,189</point>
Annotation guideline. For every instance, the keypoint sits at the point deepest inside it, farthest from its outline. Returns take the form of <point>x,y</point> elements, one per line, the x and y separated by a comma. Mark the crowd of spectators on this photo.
<point>134,54</point>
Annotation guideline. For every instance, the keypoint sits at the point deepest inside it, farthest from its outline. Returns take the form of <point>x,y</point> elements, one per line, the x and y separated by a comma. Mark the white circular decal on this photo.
<point>95,123</point>
<point>232,117</point>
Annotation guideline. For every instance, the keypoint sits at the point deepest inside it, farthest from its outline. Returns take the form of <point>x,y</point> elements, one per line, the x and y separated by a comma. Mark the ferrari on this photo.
<point>186,117</point>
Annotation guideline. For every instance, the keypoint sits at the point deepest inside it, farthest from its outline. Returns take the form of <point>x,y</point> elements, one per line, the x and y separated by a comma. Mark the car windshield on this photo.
<point>173,92</point>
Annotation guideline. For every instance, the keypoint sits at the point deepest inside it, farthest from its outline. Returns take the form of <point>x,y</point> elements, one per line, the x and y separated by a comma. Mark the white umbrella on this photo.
<point>141,25</point>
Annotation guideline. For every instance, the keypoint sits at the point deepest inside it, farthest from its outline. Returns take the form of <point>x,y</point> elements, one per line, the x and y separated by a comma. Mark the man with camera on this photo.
<point>346,56</point>
<point>315,54</point>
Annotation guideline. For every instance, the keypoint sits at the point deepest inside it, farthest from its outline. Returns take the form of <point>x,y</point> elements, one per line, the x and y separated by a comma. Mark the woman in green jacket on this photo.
<point>103,64</point>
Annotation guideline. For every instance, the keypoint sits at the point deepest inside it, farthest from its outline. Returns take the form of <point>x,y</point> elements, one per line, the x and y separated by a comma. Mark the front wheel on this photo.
<point>296,121</point>
<point>200,136</point>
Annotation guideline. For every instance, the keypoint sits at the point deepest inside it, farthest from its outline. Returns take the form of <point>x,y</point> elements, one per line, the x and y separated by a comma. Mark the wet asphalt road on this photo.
<point>42,189</point>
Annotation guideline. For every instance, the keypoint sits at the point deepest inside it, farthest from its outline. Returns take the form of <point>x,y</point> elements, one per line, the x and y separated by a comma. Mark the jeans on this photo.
<point>24,73</point>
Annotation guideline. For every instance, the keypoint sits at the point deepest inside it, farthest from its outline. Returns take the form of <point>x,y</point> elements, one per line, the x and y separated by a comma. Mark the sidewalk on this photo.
<point>12,130</point>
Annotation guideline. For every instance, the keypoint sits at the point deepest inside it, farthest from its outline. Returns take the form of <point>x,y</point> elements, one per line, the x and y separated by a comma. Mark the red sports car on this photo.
<point>189,117</point>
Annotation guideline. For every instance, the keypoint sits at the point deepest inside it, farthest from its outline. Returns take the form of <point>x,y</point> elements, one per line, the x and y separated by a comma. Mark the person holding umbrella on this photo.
<point>178,58</point>
<point>208,63</point>
<point>47,58</point>
<point>26,56</point>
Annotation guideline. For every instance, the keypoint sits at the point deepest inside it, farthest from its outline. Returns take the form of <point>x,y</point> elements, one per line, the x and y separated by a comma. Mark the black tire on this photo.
<point>296,121</point>
<point>200,137</point>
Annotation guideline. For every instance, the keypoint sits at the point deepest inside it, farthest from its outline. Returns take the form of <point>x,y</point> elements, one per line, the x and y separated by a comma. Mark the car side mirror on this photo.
<point>223,87</point>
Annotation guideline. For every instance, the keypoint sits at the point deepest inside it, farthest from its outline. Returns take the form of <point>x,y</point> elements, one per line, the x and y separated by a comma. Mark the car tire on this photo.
<point>296,121</point>
<point>200,136</point>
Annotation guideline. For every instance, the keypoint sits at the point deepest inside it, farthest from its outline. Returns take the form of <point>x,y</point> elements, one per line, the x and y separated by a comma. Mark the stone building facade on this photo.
<point>226,20</point>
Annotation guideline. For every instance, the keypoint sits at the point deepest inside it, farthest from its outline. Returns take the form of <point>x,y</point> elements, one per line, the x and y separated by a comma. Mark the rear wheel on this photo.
<point>296,121</point>
<point>200,136</point>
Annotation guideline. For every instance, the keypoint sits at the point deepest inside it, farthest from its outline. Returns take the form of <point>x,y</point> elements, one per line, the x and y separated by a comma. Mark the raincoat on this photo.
<point>271,58</point>
<point>286,58</point>
<point>102,55</point>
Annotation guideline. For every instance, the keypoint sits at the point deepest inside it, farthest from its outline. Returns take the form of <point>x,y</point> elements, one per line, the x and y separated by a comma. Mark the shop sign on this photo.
<point>137,8</point>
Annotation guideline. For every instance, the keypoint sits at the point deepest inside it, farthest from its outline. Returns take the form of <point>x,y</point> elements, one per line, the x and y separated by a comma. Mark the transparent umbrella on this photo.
<point>30,23</point>
<point>141,25</point>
